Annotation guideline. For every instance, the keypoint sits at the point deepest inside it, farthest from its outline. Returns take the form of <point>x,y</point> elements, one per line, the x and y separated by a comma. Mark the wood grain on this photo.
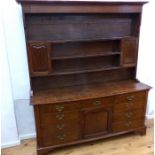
<point>87,51</point>
<point>86,92</point>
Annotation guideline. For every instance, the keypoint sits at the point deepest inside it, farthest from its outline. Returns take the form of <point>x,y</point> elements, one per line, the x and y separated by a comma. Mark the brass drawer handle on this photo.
<point>38,46</point>
<point>130,98</point>
<point>60,126</point>
<point>97,103</point>
<point>61,136</point>
<point>59,108</point>
<point>60,116</point>
<point>128,124</point>
<point>129,115</point>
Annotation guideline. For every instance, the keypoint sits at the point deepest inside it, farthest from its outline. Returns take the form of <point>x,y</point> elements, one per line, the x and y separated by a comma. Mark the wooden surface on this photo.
<point>130,144</point>
<point>90,1</point>
<point>79,6</point>
<point>86,92</point>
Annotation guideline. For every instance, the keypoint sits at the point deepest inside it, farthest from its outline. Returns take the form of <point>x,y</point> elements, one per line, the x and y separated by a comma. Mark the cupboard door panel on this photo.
<point>39,58</point>
<point>129,49</point>
<point>96,122</point>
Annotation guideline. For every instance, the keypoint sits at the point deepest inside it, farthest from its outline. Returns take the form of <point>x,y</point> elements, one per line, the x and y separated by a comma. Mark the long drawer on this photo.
<point>100,102</point>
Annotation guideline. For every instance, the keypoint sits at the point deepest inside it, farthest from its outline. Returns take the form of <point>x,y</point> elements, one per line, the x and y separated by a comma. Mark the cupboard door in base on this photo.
<point>96,122</point>
<point>39,58</point>
<point>129,49</point>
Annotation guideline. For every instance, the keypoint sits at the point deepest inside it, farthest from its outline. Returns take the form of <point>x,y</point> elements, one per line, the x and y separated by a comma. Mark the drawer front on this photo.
<point>131,97</point>
<point>58,107</point>
<point>127,125</point>
<point>101,102</point>
<point>60,133</point>
<point>55,118</point>
<point>128,106</point>
<point>128,115</point>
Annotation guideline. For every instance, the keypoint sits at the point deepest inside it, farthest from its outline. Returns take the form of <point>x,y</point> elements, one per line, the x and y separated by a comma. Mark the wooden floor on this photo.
<point>129,144</point>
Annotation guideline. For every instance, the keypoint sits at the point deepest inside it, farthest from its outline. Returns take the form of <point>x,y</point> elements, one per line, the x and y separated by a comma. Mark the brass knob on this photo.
<point>60,116</point>
<point>130,98</point>
<point>59,108</point>
<point>60,126</point>
<point>38,46</point>
<point>96,103</point>
<point>61,136</point>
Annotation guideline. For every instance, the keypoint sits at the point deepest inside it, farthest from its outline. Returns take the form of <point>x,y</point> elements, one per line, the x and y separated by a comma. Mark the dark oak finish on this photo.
<point>96,121</point>
<point>129,51</point>
<point>83,60</point>
<point>39,58</point>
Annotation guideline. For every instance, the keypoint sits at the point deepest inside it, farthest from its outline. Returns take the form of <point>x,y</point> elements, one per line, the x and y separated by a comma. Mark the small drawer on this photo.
<point>128,115</point>
<point>54,118</point>
<point>51,135</point>
<point>60,107</point>
<point>131,97</point>
<point>101,102</point>
<point>128,106</point>
<point>127,125</point>
<point>61,127</point>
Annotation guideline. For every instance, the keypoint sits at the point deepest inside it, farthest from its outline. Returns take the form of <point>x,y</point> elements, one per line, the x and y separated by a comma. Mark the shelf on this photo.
<point>83,92</point>
<point>86,55</point>
<point>85,70</point>
<point>79,40</point>
<point>76,66</point>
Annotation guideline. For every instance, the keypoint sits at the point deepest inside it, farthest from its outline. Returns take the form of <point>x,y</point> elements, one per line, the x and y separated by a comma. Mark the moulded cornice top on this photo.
<point>84,1</point>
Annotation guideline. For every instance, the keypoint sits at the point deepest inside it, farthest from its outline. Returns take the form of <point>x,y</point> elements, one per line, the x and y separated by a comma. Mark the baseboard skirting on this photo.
<point>149,116</point>
<point>27,136</point>
<point>17,142</point>
<point>10,144</point>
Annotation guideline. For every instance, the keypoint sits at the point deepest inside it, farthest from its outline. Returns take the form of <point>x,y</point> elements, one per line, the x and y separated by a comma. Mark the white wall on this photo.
<point>146,61</point>
<point>16,103</point>
<point>9,131</point>
<point>16,71</point>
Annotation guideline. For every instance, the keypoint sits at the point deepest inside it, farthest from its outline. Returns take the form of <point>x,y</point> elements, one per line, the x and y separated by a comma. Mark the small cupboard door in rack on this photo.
<point>129,50</point>
<point>39,58</point>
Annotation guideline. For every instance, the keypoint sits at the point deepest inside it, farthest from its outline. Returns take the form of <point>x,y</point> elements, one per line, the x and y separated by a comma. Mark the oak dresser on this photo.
<point>82,60</point>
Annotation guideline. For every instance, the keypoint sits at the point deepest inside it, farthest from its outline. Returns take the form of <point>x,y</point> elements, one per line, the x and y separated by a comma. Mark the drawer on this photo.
<point>131,97</point>
<point>59,107</point>
<point>128,106</point>
<point>127,125</point>
<point>101,102</point>
<point>52,135</point>
<point>54,118</point>
<point>128,115</point>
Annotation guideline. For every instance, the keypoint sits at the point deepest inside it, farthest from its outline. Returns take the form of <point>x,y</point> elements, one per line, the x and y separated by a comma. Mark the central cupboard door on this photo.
<point>96,122</point>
